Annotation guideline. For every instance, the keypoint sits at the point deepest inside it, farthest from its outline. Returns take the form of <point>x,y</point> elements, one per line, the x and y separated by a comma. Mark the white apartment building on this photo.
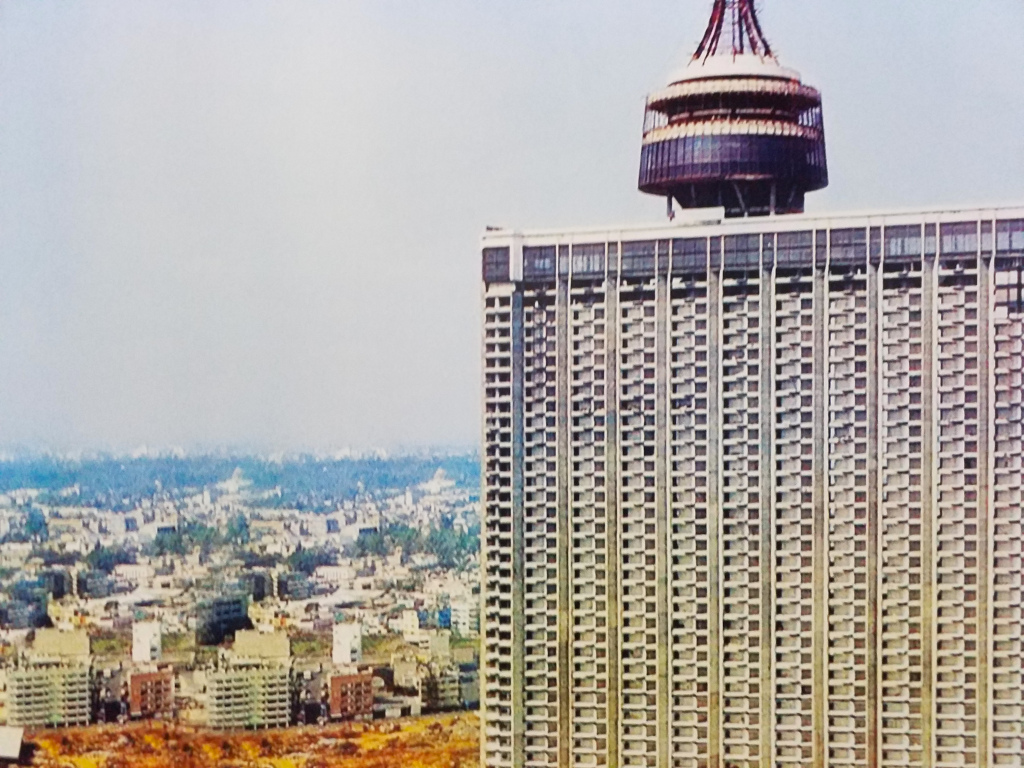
<point>753,492</point>
<point>348,644</point>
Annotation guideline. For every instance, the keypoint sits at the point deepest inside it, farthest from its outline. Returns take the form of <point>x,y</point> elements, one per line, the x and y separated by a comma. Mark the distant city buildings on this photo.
<point>146,641</point>
<point>220,616</point>
<point>151,695</point>
<point>248,694</point>
<point>351,696</point>
<point>464,616</point>
<point>182,609</point>
<point>347,643</point>
<point>48,693</point>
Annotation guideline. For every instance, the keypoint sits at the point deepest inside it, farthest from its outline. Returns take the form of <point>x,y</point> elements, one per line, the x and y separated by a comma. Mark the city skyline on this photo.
<point>180,186</point>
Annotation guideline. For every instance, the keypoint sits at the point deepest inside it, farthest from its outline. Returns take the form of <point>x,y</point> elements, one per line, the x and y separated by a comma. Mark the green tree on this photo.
<point>370,543</point>
<point>407,538</point>
<point>169,543</point>
<point>308,560</point>
<point>107,558</point>
<point>35,525</point>
<point>205,537</point>
<point>443,543</point>
<point>238,530</point>
<point>452,548</point>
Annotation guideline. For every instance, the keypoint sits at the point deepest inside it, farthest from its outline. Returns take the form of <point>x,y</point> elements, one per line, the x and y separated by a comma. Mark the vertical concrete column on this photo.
<point>767,490</point>
<point>613,328</point>
<point>518,537</point>
<point>484,549</point>
<point>714,504</point>
<point>874,681</point>
<point>661,459</point>
<point>564,344</point>
<point>929,510</point>
<point>820,505</point>
<point>986,447</point>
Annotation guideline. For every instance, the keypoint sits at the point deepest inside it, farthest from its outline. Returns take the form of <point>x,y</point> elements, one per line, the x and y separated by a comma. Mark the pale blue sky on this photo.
<point>254,223</point>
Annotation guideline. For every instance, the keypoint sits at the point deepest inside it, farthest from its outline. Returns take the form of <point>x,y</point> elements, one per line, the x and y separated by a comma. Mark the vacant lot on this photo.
<point>448,741</point>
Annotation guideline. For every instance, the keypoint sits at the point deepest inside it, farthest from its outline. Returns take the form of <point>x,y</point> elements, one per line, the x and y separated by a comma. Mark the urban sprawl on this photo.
<point>222,607</point>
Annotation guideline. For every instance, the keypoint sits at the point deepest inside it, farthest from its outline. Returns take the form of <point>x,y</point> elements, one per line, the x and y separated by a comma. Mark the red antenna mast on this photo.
<point>746,33</point>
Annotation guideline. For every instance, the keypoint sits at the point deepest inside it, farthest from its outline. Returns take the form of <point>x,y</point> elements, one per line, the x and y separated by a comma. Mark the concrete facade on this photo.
<point>218,617</point>
<point>270,646</point>
<point>252,696</point>
<point>466,617</point>
<point>146,641</point>
<point>347,643</point>
<point>61,644</point>
<point>50,694</point>
<point>752,493</point>
<point>351,697</point>
<point>151,694</point>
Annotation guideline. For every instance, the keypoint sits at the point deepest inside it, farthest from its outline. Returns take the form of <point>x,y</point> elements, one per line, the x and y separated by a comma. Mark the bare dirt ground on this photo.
<point>445,741</point>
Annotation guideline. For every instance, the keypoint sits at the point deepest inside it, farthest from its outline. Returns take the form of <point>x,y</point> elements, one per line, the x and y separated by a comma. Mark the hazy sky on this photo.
<point>255,224</point>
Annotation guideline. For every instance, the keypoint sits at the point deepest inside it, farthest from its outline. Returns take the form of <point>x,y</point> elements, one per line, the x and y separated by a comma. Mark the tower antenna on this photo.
<point>734,129</point>
<point>747,35</point>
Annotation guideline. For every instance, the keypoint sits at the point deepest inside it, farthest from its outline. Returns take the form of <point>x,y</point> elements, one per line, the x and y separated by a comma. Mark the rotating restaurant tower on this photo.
<point>734,128</point>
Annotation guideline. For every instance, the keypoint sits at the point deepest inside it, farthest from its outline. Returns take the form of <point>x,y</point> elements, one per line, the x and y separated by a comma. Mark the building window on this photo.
<point>1010,284</point>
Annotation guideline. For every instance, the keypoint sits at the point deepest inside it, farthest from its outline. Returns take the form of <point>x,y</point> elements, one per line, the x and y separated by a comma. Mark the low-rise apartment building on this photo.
<point>48,694</point>
<point>351,697</point>
<point>151,694</point>
<point>248,695</point>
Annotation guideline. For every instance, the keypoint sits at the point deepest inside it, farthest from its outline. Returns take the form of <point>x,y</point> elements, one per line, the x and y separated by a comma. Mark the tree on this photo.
<point>35,525</point>
<point>443,543</point>
<point>205,537</point>
<point>407,538</point>
<point>308,560</point>
<point>238,530</point>
<point>51,558</point>
<point>169,543</point>
<point>452,548</point>
<point>370,543</point>
<point>107,558</point>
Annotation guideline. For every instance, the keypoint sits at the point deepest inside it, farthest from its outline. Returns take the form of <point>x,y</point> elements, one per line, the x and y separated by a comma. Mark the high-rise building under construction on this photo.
<point>752,484</point>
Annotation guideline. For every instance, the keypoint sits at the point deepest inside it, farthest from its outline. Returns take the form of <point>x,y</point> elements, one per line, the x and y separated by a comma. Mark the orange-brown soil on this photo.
<point>446,741</point>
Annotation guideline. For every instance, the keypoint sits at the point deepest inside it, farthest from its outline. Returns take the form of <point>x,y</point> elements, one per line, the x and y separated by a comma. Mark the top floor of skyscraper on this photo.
<point>706,240</point>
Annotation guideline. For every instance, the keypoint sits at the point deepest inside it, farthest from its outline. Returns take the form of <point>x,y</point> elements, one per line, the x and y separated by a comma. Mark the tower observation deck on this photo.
<point>734,128</point>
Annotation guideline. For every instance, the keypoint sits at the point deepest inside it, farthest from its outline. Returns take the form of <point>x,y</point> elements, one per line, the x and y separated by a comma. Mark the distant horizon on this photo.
<point>301,481</point>
<point>13,454</point>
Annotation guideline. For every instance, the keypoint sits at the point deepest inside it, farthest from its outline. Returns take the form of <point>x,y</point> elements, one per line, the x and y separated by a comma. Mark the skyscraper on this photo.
<point>752,484</point>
